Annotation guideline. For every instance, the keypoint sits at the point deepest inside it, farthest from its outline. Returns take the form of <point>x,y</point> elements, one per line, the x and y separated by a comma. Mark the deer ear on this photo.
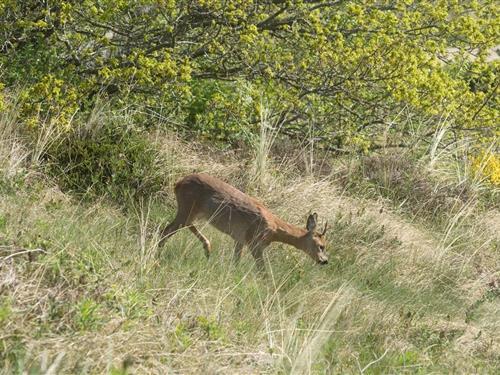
<point>311,222</point>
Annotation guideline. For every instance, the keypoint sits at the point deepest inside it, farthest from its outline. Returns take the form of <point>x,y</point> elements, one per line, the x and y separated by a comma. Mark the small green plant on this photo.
<point>136,305</point>
<point>123,369</point>
<point>211,328</point>
<point>5,310</point>
<point>87,315</point>
<point>3,222</point>
<point>13,356</point>
<point>117,371</point>
<point>182,336</point>
<point>408,358</point>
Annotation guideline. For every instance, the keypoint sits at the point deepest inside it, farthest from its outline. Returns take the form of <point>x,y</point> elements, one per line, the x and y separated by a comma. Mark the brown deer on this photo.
<point>242,217</point>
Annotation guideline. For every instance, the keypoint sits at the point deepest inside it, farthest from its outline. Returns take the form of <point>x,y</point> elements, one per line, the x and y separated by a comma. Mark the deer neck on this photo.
<point>289,234</point>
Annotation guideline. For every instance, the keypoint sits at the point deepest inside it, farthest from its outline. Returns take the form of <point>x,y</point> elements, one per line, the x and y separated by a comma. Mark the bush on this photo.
<point>116,161</point>
<point>402,179</point>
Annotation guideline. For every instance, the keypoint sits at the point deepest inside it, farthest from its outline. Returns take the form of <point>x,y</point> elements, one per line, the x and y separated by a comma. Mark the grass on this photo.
<point>85,289</point>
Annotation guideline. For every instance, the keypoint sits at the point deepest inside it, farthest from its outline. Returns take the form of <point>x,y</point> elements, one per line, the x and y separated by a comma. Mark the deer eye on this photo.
<point>322,248</point>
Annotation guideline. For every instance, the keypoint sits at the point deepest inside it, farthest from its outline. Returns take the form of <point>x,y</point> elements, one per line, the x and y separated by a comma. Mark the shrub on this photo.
<point>414,188</point>
<point>112,160</point>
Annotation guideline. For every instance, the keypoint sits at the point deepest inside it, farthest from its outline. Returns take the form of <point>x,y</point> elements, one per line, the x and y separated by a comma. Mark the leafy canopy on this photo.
<point>343,70</point>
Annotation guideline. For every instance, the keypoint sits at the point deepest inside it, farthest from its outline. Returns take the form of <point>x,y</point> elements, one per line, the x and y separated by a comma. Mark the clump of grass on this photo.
<point>259,175</point>
<point>14,155</point>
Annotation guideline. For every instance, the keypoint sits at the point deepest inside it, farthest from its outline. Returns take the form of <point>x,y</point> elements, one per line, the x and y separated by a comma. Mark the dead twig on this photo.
<point>23,251</point>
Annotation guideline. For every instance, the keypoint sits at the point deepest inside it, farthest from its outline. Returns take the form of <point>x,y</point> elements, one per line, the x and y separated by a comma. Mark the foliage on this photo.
<point>210,327</point>
<point>341,68</point>
<point>5,310</point>
<point>111,160</point>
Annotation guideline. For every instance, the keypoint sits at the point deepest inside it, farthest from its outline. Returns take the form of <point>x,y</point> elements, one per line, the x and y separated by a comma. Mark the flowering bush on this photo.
<point>486,165</point>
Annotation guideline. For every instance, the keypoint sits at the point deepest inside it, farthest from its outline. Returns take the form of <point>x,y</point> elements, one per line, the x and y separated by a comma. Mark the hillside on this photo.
<point>83,289</point>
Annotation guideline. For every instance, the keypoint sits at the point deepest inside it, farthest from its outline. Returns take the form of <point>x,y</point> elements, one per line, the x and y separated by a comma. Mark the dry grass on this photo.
<point>83,289</point>
<point>13,154</point>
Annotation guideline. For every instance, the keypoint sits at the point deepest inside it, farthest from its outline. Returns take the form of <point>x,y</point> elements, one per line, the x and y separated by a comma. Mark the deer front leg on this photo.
<point>182,219</point>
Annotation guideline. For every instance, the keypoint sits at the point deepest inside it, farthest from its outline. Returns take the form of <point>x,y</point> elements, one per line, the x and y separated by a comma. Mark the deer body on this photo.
<point>242,217</point>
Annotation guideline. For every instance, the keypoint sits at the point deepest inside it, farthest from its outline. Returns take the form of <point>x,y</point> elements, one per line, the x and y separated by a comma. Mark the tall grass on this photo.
<point>148,238</point>
<point>399,295</point>
<point>14,155</point>
<point>260,174</point>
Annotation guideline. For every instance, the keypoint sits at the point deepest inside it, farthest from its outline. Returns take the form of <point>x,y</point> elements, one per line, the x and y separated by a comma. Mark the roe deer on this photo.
<point>242,217</point>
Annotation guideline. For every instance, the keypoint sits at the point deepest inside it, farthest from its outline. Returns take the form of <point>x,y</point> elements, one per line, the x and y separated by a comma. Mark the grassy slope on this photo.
<point>397,296</point>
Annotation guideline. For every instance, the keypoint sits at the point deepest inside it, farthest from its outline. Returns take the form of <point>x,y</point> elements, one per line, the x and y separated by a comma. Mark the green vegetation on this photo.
<point>112,160</point>
<point>345,73</point>
<point>382,117</point>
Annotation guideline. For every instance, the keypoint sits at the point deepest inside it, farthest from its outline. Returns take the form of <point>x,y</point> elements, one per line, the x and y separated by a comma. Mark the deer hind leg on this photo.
<point>181,220</point>
<point>257,251</point>
<point>171,229</point>
<point>203,239</point>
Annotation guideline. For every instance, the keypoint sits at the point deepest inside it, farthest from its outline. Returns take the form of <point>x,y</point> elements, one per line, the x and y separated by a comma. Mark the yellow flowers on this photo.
<point>40,24</point>
<point>486,165</point>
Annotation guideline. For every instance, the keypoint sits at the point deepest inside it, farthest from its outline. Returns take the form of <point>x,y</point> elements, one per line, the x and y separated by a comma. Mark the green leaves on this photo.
<point>360,64</point>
